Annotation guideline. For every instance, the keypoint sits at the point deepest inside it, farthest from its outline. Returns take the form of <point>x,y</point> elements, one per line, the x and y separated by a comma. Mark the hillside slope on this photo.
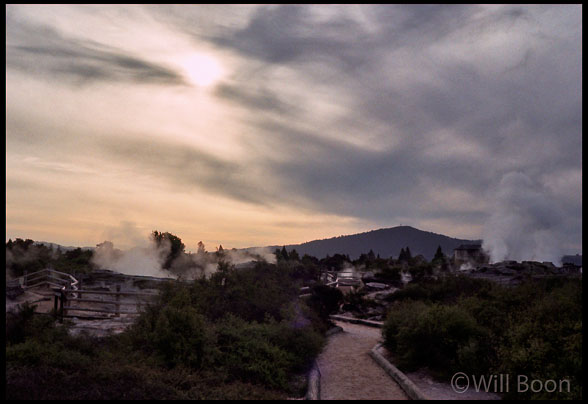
<point>385,242</point>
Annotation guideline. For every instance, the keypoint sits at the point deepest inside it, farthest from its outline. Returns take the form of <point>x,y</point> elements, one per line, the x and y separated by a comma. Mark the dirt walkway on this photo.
<point>349,373</point>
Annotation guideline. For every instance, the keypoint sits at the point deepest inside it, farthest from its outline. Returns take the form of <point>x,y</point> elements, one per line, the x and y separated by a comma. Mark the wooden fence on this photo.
<point>49,277</point>
<point>69,300</point>
<point>331,280</point>
<point>69,295</point>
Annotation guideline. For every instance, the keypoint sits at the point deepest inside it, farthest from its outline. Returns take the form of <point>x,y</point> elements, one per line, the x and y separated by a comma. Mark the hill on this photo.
<point>54,246</point>
<point>385,242</point>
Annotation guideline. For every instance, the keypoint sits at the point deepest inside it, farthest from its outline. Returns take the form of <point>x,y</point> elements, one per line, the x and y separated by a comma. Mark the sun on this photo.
<point>203,70</point>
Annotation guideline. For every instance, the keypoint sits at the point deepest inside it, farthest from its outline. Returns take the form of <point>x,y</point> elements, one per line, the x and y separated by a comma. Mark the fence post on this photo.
<point>66,302</point>
<point>61,299</point>
<point>117,314</point>
<point>56,296</point>
<point>79,288</point>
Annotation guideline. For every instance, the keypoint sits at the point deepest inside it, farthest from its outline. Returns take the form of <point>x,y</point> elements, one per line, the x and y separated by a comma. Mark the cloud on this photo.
<point>380,113</point>
<point>254,99</point>
<point>439,115</point>
<point>288,33</point>
<point>43,51</point>
<point>184,165</point>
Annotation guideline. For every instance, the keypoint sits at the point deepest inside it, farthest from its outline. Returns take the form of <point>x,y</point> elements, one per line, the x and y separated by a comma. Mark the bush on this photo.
<point>390,274</point>
<point>267,353</point>
<point>420,272</point>
<point>433,336</point>
<point>239,334</point>
<point>325,300</point>
<point>251,293</point>
<point>357,303</point>
<point>460,324</point>
<point>447,289</point>
<point>174,331</point>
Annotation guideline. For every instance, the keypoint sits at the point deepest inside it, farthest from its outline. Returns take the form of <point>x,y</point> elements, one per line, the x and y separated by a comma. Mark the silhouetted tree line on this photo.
<point>26,255</point>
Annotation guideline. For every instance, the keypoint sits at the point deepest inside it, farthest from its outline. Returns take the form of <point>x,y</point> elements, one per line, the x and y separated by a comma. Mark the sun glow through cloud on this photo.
<point>202,70</point>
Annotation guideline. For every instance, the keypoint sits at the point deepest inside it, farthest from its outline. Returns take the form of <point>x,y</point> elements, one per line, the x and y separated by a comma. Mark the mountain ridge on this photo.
<point>386,242</point>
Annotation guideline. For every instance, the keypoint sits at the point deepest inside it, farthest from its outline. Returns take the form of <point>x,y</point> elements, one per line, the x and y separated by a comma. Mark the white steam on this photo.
<point>148,259</point>
<point>145,261</point>
<point>526,223</point>
<point>241,256</point>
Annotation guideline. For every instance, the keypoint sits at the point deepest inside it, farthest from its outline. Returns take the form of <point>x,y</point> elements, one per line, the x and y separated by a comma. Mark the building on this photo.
<point>471,254</point>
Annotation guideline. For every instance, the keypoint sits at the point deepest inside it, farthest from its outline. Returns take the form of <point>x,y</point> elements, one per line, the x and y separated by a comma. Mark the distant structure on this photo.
<point>471,254</point>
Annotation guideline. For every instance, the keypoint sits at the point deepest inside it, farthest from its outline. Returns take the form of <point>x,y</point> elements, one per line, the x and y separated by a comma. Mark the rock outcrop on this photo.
<point>513,272</point>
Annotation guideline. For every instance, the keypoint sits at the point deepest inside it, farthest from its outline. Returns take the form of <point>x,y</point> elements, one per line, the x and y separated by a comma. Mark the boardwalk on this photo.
<point>349,373</point>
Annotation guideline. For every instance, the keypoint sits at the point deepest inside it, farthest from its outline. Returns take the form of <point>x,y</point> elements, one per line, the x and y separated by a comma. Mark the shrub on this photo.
<point>239,334</point>
<point>433,336</point>
<point>390,274</point>
<point>447,289</point>
<point>247,353</point>
<point>420,272</point>
<point>174,331</point>
<point>460,324</point>
<point>325,300</point>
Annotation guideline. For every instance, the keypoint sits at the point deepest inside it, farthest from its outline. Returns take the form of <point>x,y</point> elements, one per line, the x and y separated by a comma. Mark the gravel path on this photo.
<point>349,373</point>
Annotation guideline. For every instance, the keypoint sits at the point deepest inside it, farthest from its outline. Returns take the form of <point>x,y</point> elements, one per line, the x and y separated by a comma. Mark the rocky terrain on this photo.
<point>513,272</point>
<point>370,302</point>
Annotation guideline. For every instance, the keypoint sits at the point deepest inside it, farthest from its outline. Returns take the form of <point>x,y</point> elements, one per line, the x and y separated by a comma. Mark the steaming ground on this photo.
<point>148,260</point>
<point>527,223</point>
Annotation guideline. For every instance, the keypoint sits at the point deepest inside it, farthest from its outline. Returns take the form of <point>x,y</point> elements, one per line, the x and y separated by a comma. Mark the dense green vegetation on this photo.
<point>459,324</point>
<point>238,334</point>
<point>246,333</point>
<point>26,255</point>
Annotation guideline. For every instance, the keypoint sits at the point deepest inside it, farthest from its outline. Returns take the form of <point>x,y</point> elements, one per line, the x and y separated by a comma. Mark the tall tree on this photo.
<point>439,254</point>
<point>220,252</point>
<point>175,243</point>
<point>408,254</point>
<point>201,249</point>
<point>294,255</point>
<point>284,253</point>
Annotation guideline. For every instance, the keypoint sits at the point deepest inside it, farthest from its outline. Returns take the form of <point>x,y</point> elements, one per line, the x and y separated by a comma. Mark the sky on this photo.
<point>248,125</point>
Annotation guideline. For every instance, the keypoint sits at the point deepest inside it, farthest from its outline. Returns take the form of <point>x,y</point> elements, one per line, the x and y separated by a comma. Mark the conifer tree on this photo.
<point>439,254</point>
<point>284,253</point>
<point>402,255</point>
<point>408,254</point>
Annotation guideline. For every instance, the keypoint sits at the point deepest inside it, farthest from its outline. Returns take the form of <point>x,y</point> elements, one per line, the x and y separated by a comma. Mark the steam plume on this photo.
<point>526,222</point>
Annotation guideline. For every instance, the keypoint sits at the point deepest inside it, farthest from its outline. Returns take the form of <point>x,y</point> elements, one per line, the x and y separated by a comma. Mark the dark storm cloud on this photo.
<point>372,184</point>
<point>285,34</point>
<point>516,105</point>
<point>43,51</point>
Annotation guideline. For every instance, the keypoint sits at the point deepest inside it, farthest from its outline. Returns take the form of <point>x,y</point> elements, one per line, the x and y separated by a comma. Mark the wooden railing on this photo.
<point>68,300</point>
<point>49,277</point>
<point>68,295</point>
<point>331,280</point>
